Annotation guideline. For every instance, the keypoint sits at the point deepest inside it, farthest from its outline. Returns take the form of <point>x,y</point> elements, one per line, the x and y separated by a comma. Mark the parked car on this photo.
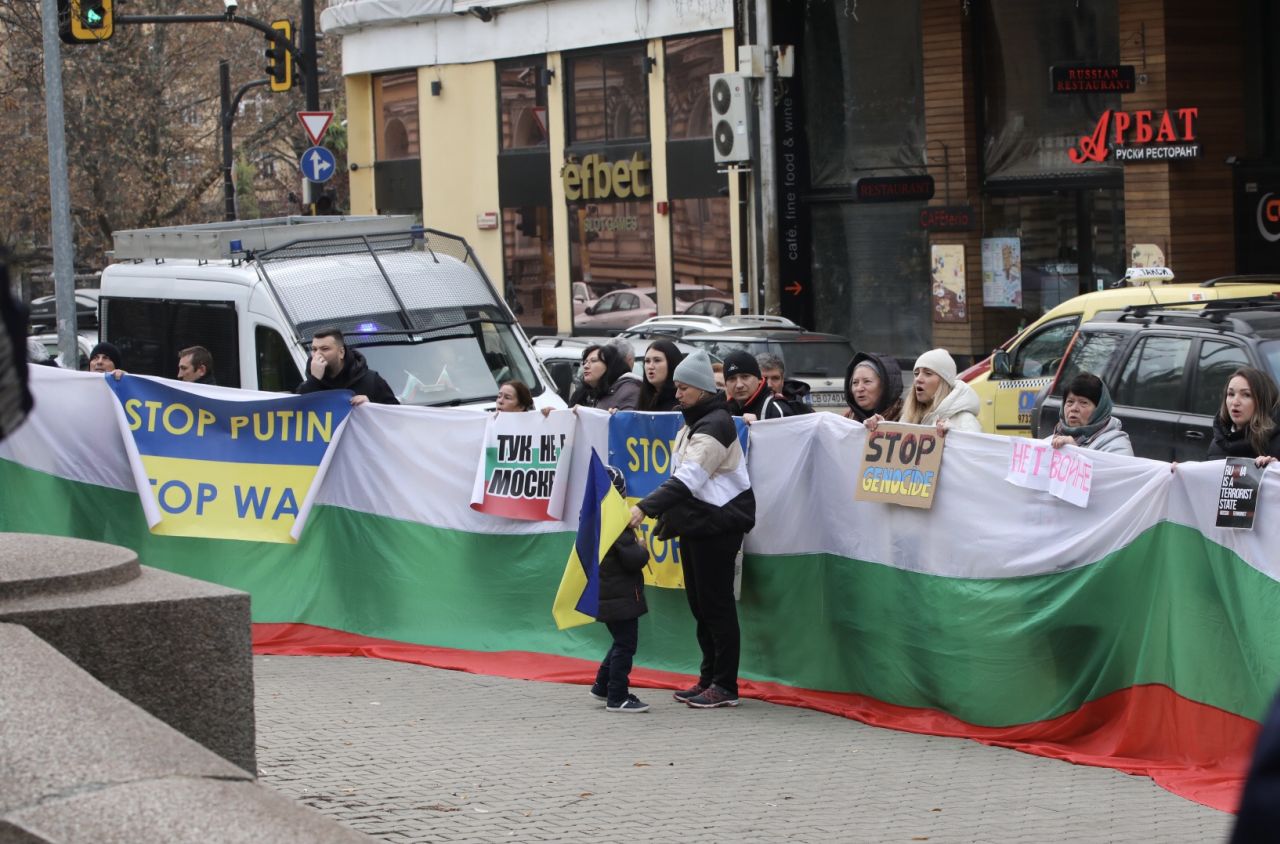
<point>562,356</point>
<point>817,359</point>
<point>1007,382</point>
<point>1167,368</point>
<point>587,293</point>
<point>84,342</point>
<point>712,306</point>
<point>678,325</point>
<point>44,314</point>
<point>626,307</point>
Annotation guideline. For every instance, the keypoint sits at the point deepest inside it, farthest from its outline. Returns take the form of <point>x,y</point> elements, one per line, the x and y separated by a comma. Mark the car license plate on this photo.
<point>827,399</point>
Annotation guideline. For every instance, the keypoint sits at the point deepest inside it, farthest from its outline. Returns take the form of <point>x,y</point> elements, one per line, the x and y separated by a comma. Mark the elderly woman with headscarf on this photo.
<point>873,387</point>
<point>1086,418</point>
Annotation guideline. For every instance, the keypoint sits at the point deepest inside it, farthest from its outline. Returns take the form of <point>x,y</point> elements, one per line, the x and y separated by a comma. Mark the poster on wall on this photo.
<point>948,283</point>
<point>1002,272</point>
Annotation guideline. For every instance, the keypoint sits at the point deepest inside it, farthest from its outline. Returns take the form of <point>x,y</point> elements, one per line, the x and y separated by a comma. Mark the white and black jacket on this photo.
<point>708,492</point>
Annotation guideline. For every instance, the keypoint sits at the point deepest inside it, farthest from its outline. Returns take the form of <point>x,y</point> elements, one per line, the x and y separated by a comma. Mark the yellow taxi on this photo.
<point>1007,382</point>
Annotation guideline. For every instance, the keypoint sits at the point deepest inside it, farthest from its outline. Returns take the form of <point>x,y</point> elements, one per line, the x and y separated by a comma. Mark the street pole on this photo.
<point>228,186</point>
<point>767,196</point>
<point>64,281</point>
<point>307,37</point>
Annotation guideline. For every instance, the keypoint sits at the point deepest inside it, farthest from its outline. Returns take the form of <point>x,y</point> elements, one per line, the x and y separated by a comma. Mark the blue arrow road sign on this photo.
<point>317,164</point>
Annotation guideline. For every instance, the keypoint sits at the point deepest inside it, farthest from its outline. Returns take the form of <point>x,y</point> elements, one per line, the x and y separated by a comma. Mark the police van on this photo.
<point>414,301</point>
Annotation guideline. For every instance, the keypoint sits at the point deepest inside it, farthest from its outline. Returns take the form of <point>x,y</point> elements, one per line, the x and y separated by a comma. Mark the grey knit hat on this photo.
<point>695,370</point>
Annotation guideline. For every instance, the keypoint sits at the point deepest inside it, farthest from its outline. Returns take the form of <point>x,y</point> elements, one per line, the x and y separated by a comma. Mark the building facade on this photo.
<point>945,170</point>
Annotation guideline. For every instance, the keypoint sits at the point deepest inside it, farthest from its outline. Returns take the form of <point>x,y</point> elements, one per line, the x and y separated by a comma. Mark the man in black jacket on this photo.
<point>195,365</point>
<point>751,397</point>
<point>335,367</point>
<point>709,504</point>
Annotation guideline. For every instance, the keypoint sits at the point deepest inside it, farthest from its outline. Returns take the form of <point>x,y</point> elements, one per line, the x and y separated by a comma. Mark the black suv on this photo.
<point>1167,368</point>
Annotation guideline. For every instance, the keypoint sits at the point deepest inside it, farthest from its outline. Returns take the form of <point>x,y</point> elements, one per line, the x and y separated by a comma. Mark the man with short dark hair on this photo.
<point>750,395</point>
<point>795,393</point>
<point>335,367</point>
<point>195,365</point>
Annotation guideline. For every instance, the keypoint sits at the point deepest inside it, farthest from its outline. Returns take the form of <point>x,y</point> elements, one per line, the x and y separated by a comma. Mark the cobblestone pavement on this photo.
<point>407,753</point>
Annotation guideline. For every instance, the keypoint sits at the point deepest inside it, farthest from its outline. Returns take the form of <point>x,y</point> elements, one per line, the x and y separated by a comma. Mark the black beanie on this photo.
<point>110,351</point>
<point>739,362</point>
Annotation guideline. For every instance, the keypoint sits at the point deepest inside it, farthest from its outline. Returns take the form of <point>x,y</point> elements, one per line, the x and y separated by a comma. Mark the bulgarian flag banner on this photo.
<point>1130,633</point>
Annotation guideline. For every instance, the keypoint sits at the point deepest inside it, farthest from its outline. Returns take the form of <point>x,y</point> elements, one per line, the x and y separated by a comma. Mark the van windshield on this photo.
<point>462,365</point>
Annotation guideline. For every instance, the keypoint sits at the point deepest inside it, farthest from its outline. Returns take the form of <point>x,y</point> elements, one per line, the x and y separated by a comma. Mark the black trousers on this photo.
<point>615,671</point>
<point>707,562</point>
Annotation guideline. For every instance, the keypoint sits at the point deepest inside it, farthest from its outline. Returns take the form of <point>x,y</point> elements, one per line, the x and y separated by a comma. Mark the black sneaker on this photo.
<point>631,704</point>
<point>692,691</point>
<point>600,693</point>
<point>713,698</point>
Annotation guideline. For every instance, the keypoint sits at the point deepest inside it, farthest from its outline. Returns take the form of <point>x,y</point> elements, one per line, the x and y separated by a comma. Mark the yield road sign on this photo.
<point>316,123</point>
<point>317,164</point>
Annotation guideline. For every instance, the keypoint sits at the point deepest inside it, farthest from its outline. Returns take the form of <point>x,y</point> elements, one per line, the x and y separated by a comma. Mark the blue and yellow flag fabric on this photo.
<point>603,518</point>
<point>227,469</point>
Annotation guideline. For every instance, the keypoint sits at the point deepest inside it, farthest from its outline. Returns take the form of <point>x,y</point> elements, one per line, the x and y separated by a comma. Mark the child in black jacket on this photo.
<point>621,605</point>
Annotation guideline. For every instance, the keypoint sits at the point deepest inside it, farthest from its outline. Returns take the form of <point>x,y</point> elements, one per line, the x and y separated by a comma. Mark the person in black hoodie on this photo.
<point>708,503</point>
<point>621,605</point>
<point>873,385</point>
<point>1248,423</point>
<point>751,397</point>
<point>658,392</point>
<point>335,367</point>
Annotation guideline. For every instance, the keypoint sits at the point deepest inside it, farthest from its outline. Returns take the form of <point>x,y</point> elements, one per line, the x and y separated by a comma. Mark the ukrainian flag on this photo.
<point>603,518</point>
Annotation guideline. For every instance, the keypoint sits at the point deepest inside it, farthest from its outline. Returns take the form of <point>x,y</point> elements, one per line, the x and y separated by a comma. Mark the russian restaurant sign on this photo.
<point>1116,79</point>
<point>894,189</point>
<point>1140,136</point>
<point>598,178</point>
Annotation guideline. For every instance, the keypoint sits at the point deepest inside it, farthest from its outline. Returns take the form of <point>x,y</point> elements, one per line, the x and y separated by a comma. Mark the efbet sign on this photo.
<point>1138,136</point>
<point>598,178</point>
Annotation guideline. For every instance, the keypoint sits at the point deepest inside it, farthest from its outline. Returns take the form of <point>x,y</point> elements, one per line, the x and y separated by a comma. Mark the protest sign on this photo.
<point>237,469</point>
<point>1062,472</point>
<point>1238,495</point>
<point>900,465</point>
<point>642,445</point>
<point>524,468</point>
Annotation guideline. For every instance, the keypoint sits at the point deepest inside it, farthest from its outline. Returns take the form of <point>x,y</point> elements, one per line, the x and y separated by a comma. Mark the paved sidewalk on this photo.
<point>407,753</point>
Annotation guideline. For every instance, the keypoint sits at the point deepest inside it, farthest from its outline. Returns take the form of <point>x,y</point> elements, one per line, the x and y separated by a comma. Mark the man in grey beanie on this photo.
<point>708,503</point>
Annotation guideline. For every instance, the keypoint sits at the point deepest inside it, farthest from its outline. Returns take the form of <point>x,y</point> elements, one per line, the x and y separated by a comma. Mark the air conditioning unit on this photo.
<point>730,117</point>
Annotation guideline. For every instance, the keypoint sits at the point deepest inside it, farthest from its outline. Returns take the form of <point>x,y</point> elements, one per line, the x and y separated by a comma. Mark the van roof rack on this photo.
<point>235,238</point>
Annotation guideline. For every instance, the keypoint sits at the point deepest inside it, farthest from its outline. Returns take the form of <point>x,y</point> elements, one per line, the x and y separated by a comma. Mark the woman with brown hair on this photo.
<point>514,397</point>
<point>1248,423</point>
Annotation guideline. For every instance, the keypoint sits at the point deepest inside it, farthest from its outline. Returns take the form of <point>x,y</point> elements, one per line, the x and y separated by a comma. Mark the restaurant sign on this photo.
<point>1140,136</point>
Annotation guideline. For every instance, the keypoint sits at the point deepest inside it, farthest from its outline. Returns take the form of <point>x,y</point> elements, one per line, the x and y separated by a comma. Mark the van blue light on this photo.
<point>368,327</point>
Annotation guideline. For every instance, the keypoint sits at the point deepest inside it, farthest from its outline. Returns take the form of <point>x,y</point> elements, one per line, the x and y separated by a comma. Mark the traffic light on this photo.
<point>85,21</point>
<point>280,60</point>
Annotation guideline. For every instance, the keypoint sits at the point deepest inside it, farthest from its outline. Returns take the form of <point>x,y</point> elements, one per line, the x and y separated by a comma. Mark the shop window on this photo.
<point>864,86</point>
<point>528,255</point>
<point>1029,129</point>
<point>522,100</point>
<point>870,276</point>
<point>702,256</point>
<point>609,96</point>
<point>689,62</point>
<point>612,264</point>
<point>395,108</point>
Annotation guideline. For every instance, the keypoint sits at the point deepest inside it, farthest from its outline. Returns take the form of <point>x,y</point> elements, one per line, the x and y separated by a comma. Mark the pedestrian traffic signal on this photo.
<point>279,59</point>
<point>85,21</point>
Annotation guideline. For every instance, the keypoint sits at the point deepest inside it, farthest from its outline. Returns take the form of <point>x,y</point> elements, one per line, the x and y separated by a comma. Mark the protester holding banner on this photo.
<point>873,387</point>
<point>937,397</point>
<point>708,503</point>
<point>335,367</point>
<point>603,385</point>
<point>195,365</point>
<point>1086,418</point>
<point>105,357</point>
<point>658,392</point>
<point>751,397</point>
<point>514,397</point>
<point>1248,423</point>
<point>620,606</point>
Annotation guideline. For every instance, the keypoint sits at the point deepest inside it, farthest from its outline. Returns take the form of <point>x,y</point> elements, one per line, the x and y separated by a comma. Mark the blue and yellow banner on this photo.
<point>225,469</point>
<point>641,445</point>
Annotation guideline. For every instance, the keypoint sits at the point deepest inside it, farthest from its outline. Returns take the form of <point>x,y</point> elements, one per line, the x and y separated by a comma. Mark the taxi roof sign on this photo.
<point>1136,276</point>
